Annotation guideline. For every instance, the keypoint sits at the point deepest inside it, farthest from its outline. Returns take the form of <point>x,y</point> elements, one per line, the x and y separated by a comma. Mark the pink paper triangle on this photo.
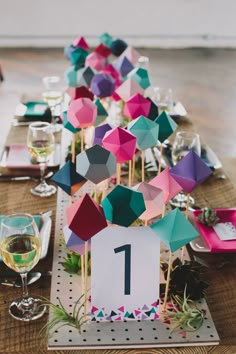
<point>94,309</point>
<point>122,309</point>
<point>137,312</point>
<point>118,318</point>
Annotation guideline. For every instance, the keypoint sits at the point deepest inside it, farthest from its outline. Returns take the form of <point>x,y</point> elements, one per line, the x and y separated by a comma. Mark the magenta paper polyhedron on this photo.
<point>136,106</point>
<point>121,143</point>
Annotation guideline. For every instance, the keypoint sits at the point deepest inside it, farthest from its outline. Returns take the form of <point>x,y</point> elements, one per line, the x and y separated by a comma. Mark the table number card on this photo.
<point>125,274</point>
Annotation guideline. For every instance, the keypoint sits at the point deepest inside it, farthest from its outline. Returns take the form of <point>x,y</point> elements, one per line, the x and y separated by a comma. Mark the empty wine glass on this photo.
<point>184,142</point>
<point>163,98</point>
<point>53,96</point>
<point>40,142</point>
<point>20,250</point>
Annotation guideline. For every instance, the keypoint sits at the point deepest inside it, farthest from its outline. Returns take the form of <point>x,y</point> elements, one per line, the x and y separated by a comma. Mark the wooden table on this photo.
<point>17,337</point>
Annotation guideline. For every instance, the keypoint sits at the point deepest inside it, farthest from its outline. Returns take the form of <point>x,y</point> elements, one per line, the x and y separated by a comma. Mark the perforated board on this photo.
<point>114,335</point>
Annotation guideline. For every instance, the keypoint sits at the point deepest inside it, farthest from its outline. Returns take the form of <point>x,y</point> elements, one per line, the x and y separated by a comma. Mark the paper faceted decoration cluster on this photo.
<point>140,75</point>
<point>167,126</point>
<point>96,164</point>
<point>106,39</point>
<point>101,112</point>
<point>81,42</point>
<point>146,132</point>
<point>136,106</point>
<point>190,171</point>
<point>121,143</point>
<point>153,198</point>
<point>118,46</point>
<point>174,230</point>
<point>123,66</point>
<point>128,89</point>
<point>85,217</point>
<point>167,183</point>
<point>82,112</point>
<point>123,205</point>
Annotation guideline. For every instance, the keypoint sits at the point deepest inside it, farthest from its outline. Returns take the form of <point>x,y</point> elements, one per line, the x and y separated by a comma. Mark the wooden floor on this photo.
<point>204,80</point>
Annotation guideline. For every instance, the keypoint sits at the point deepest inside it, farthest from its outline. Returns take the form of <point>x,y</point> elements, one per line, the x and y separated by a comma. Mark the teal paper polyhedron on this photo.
<point>140,75</point>
<point>122,206</point>
<point>84,76</point>
<point>166,126</point>
<point>78,56</point>
<point>101,112</point>
<point>146,132</point>
<point>174,230</point>
<point>106,39</point>
<point>68,125</point>
<point>70,76</point>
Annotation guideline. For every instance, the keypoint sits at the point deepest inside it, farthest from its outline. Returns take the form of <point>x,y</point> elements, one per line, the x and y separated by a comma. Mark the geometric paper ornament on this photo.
<point>102,85</point>
<point>78,56</point>
<point>82,112</point>
<point>167,183</point>
<point>123,205</point>
<point>145,131</point>
<point>132,54</point>
<point>96,164</point>
<point>103,50</point>
<point>101,112</point>
<point>174,230</point>
<point>128,88</point>
<point>190,171</point>
<point>67,178</point>
<point>154,112</point>
<point>79,92</point>
<point>106,39</point>
<point>140,75</point>
<point>136,106</point>
<point>74,242</point>
<point>67,124</point>
<point>99,133</point>
<point>70,76</point>
<point>81,42</point>
<point>118,46</point>
<point>84,76</point>
<point>166,126</point>
<point>95,61</point>
<point>85,217</point>
<point>121,143</point>
<point>123,66</point>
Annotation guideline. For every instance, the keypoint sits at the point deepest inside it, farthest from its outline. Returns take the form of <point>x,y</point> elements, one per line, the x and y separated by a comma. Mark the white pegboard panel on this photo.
<point>114,335</point>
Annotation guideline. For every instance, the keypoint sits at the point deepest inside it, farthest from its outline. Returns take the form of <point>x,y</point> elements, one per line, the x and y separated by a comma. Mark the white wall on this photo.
<point>148,23</point>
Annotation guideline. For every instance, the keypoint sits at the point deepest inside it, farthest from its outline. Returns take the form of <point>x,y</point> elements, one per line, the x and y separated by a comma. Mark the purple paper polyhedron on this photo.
<point>99,133</point>
<point>190,171</point>
<point>123,66</point>
<point>102,85</point>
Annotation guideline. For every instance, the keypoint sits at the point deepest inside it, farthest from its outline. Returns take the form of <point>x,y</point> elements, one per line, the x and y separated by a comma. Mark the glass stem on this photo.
<point>24,285</point>
<point>42,166</point>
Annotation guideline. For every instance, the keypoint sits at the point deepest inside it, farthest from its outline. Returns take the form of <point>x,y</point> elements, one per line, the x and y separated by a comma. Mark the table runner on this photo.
<point>221,294</point>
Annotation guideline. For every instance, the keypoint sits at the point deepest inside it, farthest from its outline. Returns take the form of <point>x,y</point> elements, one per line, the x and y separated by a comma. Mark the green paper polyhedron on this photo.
<point>101,112</point>
<point>166,126</point>
<point>70,76</point>
<point>174,230</point>
<point>106,39</point>
<point>78,56</point>
<point>140,75</point>
<point>67,178</point>
<point>146,132</point>
<point>96,164</point>
<point>122,206</point>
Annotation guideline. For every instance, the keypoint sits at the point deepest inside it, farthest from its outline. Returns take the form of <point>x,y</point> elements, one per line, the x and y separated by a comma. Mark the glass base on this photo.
<point>180,201</point>
<point>43,190</point>
<point>56,128</point>
<point>27,310</point>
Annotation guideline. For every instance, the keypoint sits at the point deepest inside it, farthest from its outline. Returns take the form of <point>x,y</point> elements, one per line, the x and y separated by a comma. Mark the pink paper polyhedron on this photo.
<point>82,113</point>
<point>167,183</point>
<point>121,143</point>
<point>103,50</point>
<point>136,106</point>
<point>96,61</point>
<point>132,54</point>
<point>153,199</point>
<point>81,42</point>
<point>128,88</point>
<point>85,217</point>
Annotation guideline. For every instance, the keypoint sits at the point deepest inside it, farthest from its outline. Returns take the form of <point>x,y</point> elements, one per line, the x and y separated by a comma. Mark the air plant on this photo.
<point>208,217</point>
<point>185,313</point>
<point>60,317</point>
<point>72,263</point>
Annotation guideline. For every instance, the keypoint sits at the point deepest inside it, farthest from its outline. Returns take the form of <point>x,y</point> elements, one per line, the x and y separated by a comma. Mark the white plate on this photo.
<point>199,245</point>
<point>178,110</point>
<point>45,232</point>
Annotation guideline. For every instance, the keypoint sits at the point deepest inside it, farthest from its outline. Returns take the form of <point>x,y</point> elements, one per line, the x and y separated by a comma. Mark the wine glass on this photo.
<point>53,96</point>
<point>20,250</point>
<point>184,142</point>
<point>163,98</point>
<point>40,142</point>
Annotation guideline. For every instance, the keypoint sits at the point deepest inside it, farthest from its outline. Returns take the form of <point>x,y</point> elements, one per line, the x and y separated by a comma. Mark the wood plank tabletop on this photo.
<point>19,337</point>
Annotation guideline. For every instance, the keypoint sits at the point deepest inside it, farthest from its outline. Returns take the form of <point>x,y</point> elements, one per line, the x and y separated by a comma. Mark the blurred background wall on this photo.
<point>143,23</point>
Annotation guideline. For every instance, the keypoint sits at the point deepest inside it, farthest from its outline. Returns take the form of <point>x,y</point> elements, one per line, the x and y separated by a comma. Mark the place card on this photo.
<point>226,231</point>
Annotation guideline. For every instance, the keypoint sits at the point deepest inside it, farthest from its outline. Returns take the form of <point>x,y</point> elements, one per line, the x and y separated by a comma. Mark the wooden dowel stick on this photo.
<point>85,276</point>
<point>186,215</point>
<point>159,167</point>
<point>82,274</point>
<point>82,139</point>
<point>118,173</point>
<point>130,173</point>
<point>167,281</point>
<point>146,223</point>
<point>73,149</point>
<point>163,211</point>
<point>143,166</point>
<point>133,169</point>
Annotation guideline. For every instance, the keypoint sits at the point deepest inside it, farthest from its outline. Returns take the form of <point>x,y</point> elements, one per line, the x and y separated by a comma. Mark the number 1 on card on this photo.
<point>127,250</point>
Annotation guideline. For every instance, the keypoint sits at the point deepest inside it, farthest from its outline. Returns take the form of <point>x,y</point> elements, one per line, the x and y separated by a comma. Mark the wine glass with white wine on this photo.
<point>53,96</point>
<point>20,250</point>
<point>40,142</point>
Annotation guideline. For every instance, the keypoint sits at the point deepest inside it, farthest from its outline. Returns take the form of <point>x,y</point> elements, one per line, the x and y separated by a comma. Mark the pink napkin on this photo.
<point>210,236</point>
<point>19,157</point>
